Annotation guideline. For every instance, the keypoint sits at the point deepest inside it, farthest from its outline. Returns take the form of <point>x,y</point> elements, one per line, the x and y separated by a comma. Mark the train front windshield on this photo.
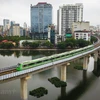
<point>18,64</point>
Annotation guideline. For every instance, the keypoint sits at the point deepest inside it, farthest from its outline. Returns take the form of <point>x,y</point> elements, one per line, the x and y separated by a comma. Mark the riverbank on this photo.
<point>37,49</point>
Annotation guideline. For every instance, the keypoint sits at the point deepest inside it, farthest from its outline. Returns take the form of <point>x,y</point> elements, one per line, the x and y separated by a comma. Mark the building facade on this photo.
<point>6,24</point>
<point>76,26</point>
<point>25,29</point>
<point>21,31</point>
<point>41,17</point>
<point>12,23</point>
<point>1,29</point>
<point>66,15</point>
<point>51,34</point>
<point>86,35</point>
<point>16,30</point>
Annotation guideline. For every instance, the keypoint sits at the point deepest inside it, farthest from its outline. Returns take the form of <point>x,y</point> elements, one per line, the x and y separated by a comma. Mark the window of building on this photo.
<point>76,36</point>
<point>84,38</point>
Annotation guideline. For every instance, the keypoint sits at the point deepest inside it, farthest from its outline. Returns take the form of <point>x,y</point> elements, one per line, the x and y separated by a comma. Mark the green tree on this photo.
<point>48,44</point>
<point>34,44</point>
<point>82,43</point>
<point>6,45</point>
<point>61,45</point>
<point>25,43</point>
<point>70,42</point>
<point>93,39</point>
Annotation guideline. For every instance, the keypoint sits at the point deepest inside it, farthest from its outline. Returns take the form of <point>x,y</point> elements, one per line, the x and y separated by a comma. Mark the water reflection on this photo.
<point>84,77</point>
<point>79,82</point>
<point>80,89</point>
<point>83,85</point>
<point>90,64</point>
<point>6,52</point>
<point>63,91</point>
<point>96,70</point>
<point>18,53</point>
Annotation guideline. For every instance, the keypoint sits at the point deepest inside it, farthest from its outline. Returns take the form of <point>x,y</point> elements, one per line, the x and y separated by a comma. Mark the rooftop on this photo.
<point>82,31</point>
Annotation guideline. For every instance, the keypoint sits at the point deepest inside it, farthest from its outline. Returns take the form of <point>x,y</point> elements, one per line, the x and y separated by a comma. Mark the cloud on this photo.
<point>19,10</point>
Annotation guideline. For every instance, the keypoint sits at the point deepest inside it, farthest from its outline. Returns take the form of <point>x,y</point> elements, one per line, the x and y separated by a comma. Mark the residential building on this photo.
<point>68,33</point>
<point>94,28</point>
<point>1,29</point>
<point>86,35</point>
<point>6,24</point>
<point>25,25</point>
<point>41,18</point>
<point>25,29</point>
<point>10,31</point>
<point>16,30</point>
<point>12,23</point>
<point>58,38</point>
<point>98,28</point>
<point>51,34</point>
<point>21,31</point>
<point>66,15</point>
<point>76,26</point>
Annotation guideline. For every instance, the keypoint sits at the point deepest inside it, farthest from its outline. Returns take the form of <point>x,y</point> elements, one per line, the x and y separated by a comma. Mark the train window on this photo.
<point>31,64</point>
<point>25,65</point>
<point>39,62</point>
<point>47,59</point>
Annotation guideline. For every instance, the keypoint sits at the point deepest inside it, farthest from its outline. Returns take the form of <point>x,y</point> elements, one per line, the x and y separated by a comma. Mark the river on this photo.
<point>81,85</point>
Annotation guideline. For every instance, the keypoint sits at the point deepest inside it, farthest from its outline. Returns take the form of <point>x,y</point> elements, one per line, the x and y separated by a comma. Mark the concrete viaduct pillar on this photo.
<point>63,72</point>
<point>24,95</point>
<point>85,62</point>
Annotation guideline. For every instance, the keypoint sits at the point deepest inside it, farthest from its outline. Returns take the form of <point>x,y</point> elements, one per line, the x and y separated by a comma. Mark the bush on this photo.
<point>48,44</point>
<point>34,44</point>
<point>57,82</point>
<point>61,45</point>
<point>6,45</point>
<point>79,67</point>
<point>38,92</point>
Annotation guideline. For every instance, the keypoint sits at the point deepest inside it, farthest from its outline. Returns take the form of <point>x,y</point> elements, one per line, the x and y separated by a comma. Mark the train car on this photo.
<point>29,64</point>
<point>52,58</point>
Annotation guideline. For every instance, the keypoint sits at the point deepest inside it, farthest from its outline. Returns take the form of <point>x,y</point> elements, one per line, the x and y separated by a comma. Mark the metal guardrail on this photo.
<point>14,74</point>
<point>7,68</point>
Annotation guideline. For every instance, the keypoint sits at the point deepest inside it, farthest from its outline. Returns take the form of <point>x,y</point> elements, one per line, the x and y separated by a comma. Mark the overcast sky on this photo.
<point>19,10</point>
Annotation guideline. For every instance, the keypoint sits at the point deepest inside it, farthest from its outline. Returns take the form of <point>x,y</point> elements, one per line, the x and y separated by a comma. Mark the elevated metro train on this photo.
<point>52,58</point>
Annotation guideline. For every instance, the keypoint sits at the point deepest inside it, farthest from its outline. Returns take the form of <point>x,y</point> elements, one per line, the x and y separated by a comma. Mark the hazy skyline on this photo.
<point>19,10</point>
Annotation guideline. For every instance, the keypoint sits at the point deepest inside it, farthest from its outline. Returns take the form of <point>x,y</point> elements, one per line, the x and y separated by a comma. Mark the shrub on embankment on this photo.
<point>57,82</point>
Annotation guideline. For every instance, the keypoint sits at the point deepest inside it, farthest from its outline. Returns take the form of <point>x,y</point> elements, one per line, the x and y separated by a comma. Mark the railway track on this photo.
<point>8,70</point>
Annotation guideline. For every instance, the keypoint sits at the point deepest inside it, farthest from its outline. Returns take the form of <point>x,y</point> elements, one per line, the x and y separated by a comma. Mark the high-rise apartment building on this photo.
<point>1,29</point>
<point>6,24</point>
<point>25,29</point>
<point>16,30</point>
<point>25,25</point>
<point>12,23</point>
<point>66,15</point>
<point>41,17</point>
